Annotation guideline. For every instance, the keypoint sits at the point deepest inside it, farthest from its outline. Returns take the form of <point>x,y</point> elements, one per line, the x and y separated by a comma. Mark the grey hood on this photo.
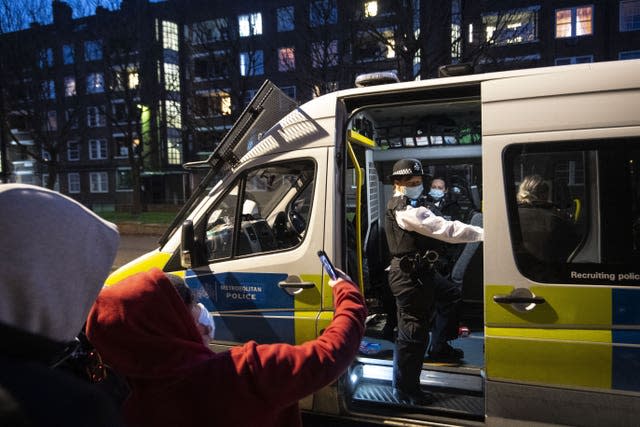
<point>54,257</point>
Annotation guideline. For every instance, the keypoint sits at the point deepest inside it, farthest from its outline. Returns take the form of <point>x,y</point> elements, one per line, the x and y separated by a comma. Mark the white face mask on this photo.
<point>412,192</point>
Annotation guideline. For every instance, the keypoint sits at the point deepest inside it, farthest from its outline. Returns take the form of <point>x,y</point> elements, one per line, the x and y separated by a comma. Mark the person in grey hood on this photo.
<point>54,257</point>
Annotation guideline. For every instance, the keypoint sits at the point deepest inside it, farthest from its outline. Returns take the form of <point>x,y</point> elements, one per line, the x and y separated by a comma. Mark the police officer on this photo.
<point>411,229</point>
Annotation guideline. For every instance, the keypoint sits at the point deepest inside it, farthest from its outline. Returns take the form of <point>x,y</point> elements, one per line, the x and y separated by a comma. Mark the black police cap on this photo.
<point>406,167</point>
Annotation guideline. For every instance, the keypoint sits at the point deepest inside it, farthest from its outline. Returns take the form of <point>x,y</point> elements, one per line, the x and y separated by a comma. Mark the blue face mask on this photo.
<point>412,192</point>
<point>436,194</point>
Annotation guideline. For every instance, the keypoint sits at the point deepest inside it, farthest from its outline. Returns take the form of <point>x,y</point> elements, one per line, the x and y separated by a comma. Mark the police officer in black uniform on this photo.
<point>411,229</point>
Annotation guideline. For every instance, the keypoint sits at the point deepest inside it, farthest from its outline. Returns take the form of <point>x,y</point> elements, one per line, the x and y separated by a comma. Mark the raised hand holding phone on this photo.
<point>328,266</point>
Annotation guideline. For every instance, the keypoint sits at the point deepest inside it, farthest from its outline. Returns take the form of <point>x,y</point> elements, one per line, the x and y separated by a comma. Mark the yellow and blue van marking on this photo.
<point>585,337</point>
<point>251,306</point>
<point>626,341</point>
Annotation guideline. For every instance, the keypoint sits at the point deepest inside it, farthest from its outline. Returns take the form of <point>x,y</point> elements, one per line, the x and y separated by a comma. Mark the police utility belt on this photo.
<point>416,261</point>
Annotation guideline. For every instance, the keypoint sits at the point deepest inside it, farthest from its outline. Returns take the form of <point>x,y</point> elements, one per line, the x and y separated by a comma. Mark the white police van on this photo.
<point>550,342</point>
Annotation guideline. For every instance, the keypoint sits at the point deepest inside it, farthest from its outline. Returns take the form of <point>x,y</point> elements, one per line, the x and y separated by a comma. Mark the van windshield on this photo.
<point>267,108</point>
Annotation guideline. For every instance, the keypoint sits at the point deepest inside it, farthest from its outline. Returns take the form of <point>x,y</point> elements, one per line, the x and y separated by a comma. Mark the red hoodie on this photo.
<point>144,331</point>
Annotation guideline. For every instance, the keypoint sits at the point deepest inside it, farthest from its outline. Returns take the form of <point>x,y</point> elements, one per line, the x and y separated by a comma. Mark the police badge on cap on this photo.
<point>407,167</point>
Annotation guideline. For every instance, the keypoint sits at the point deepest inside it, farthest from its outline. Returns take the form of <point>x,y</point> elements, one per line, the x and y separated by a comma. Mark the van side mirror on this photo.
<point>187,245</point>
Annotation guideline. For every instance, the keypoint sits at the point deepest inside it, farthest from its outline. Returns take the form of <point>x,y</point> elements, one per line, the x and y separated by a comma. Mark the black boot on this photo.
<point>445,352</point>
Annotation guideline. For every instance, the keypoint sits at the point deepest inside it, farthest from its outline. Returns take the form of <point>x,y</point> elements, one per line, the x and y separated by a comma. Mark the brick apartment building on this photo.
<point>149,86</point>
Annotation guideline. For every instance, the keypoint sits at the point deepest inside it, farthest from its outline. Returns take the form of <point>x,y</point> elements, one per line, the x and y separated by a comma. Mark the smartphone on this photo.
<point>326,263</point>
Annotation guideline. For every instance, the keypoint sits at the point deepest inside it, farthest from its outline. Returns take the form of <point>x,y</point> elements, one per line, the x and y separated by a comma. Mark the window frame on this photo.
<point>285,19</point>
<point>98,149</point>
<point>92,50</point>
<point>239,185</point>
<point>118,187</point>
<point>634,25</point>
<point>71,183</point>
<point>95,83</point>
<point>250,24</point>
<point>574,21</point>
<point>600,215</point>
<point>70,150</point>
<point>97,119</point>
<point>98,182</point>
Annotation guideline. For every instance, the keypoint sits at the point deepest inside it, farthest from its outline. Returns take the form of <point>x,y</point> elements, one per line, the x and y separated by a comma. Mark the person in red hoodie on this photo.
<point>142,328</point>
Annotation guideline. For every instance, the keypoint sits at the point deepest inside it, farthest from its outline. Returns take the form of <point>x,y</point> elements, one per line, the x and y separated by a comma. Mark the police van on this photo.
<point>549,340</point>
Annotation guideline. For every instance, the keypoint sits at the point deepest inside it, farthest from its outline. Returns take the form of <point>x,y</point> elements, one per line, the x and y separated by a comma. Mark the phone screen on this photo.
<point>329,268</point>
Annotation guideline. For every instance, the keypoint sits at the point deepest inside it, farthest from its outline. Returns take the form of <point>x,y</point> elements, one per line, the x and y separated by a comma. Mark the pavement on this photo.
<point>132,246</point>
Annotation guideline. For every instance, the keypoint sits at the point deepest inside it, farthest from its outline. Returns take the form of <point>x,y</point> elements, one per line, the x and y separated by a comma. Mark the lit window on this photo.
<point>69,86</point>
<point>173,110</point>
<point>574,22</point>
<point>212,103</point>
<point>95,83</point>
<point>92,50</point>
<point>251,63</point>
<point>223,102</point>
<point>99,182</point>
<point>286,20</point>
<point>250,25</point>
<point>170,35</point>
<point>511,26</point>
<point>456,32</point>
<point>323,12</point>
<point>324,54</point>
<point>97,149</point>
<point>286,59</point>
<point>68,54</point>
<point>123,179</point>
<point>470,33</point>
<point>73,150</point>
<point>370,9</point>
<point>133,78</point>
<point>630,15</point>
<point>174,151</point>
<point>73,180</point>
<point>171,77</point>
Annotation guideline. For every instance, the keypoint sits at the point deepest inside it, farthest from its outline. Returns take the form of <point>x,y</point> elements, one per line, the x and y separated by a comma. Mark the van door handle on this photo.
<point>293,285</point>
<point>296,285</point>
<point>508,299</point>
<point>520,299</point>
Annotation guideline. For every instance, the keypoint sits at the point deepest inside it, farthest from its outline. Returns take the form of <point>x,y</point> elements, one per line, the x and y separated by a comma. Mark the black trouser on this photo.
<point>414,297</point>
<point>448,296</point>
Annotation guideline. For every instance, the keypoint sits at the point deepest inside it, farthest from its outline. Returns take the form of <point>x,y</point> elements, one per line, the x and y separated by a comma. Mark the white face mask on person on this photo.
<point>412,192</point>
<point>436,193</point>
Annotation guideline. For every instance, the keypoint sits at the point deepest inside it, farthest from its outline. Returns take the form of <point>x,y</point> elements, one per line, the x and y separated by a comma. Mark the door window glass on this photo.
<point>574,211</point>
<point>275,206</point>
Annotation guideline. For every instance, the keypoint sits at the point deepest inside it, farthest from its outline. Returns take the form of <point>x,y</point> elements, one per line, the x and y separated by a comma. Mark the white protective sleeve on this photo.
<point>423,221</point>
